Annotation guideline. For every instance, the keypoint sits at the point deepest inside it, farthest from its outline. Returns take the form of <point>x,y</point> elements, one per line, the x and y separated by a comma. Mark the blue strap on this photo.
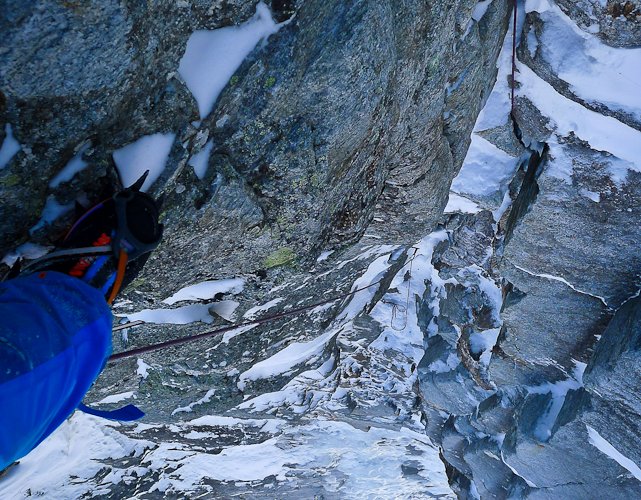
<point>127,413</point>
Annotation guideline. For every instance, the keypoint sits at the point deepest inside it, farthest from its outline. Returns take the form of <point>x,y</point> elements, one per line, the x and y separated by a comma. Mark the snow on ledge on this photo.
<point>117,398</point>
<point>206,290</point>
<point>294,354</point>
<point>256,310</point>
<point>594,71</point>
<point>603,133</point>
<point>178,316</point>
<point>486,169</point>
<point>457,203</point>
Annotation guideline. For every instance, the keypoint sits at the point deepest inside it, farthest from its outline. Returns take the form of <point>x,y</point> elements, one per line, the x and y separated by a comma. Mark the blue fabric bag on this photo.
<point>55,338</point>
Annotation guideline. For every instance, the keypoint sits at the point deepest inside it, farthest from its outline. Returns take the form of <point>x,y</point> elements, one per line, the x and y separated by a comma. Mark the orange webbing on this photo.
<point>120,275</point>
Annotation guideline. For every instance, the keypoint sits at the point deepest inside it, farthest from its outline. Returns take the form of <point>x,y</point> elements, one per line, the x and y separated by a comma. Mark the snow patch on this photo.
<point>10,146</point>
<point>51,212</point>
<point>486,169</point>
<point>605,447</point>
<point>213,56</point>
<point>179,316</point>
<point>254,311</point>
<point>594,71</point>
<point>294,354</point>
<point>224,308</point>
<point>440,366</point>
<point>558,390</point>
<point>324,255</point>
<point>457,203</point>
<point>235,332</point>
<point>590,195</point>
<point>497,108</point>
<point>190,407</point>
<point>603,133</point>
<point>483,342</point>
<point>200,160</point>
<point>206,290</point>
<point>117,398</point>
<point>150,152</point>
<point>75,165</point>
<point>142,369</point>
<point>27,251</point>
<point>532,43</point>
<point>63,464</point>
<point>480,9</point>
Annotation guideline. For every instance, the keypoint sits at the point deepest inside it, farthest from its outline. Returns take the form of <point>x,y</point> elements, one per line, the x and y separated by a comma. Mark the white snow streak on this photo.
<point>75,165</point>
<point>560,280</point>
<point>605,447</point>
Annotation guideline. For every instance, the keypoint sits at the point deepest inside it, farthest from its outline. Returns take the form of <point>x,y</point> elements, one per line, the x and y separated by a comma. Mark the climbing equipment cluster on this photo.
<point>102,243</point>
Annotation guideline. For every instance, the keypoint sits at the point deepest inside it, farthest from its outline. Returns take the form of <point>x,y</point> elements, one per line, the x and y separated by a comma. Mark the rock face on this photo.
<point>73,72</point>
<point>564,254</point>
<point>340,132</point>
<point>496,357</point>
<point>315,135</point>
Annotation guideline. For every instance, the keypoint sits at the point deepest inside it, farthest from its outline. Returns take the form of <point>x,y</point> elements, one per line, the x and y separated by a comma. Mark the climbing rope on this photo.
<point>120,275</point>
<point>219,331</point>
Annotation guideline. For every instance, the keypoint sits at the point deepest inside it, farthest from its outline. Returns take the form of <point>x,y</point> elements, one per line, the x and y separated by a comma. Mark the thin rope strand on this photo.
<point>212,333</point>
